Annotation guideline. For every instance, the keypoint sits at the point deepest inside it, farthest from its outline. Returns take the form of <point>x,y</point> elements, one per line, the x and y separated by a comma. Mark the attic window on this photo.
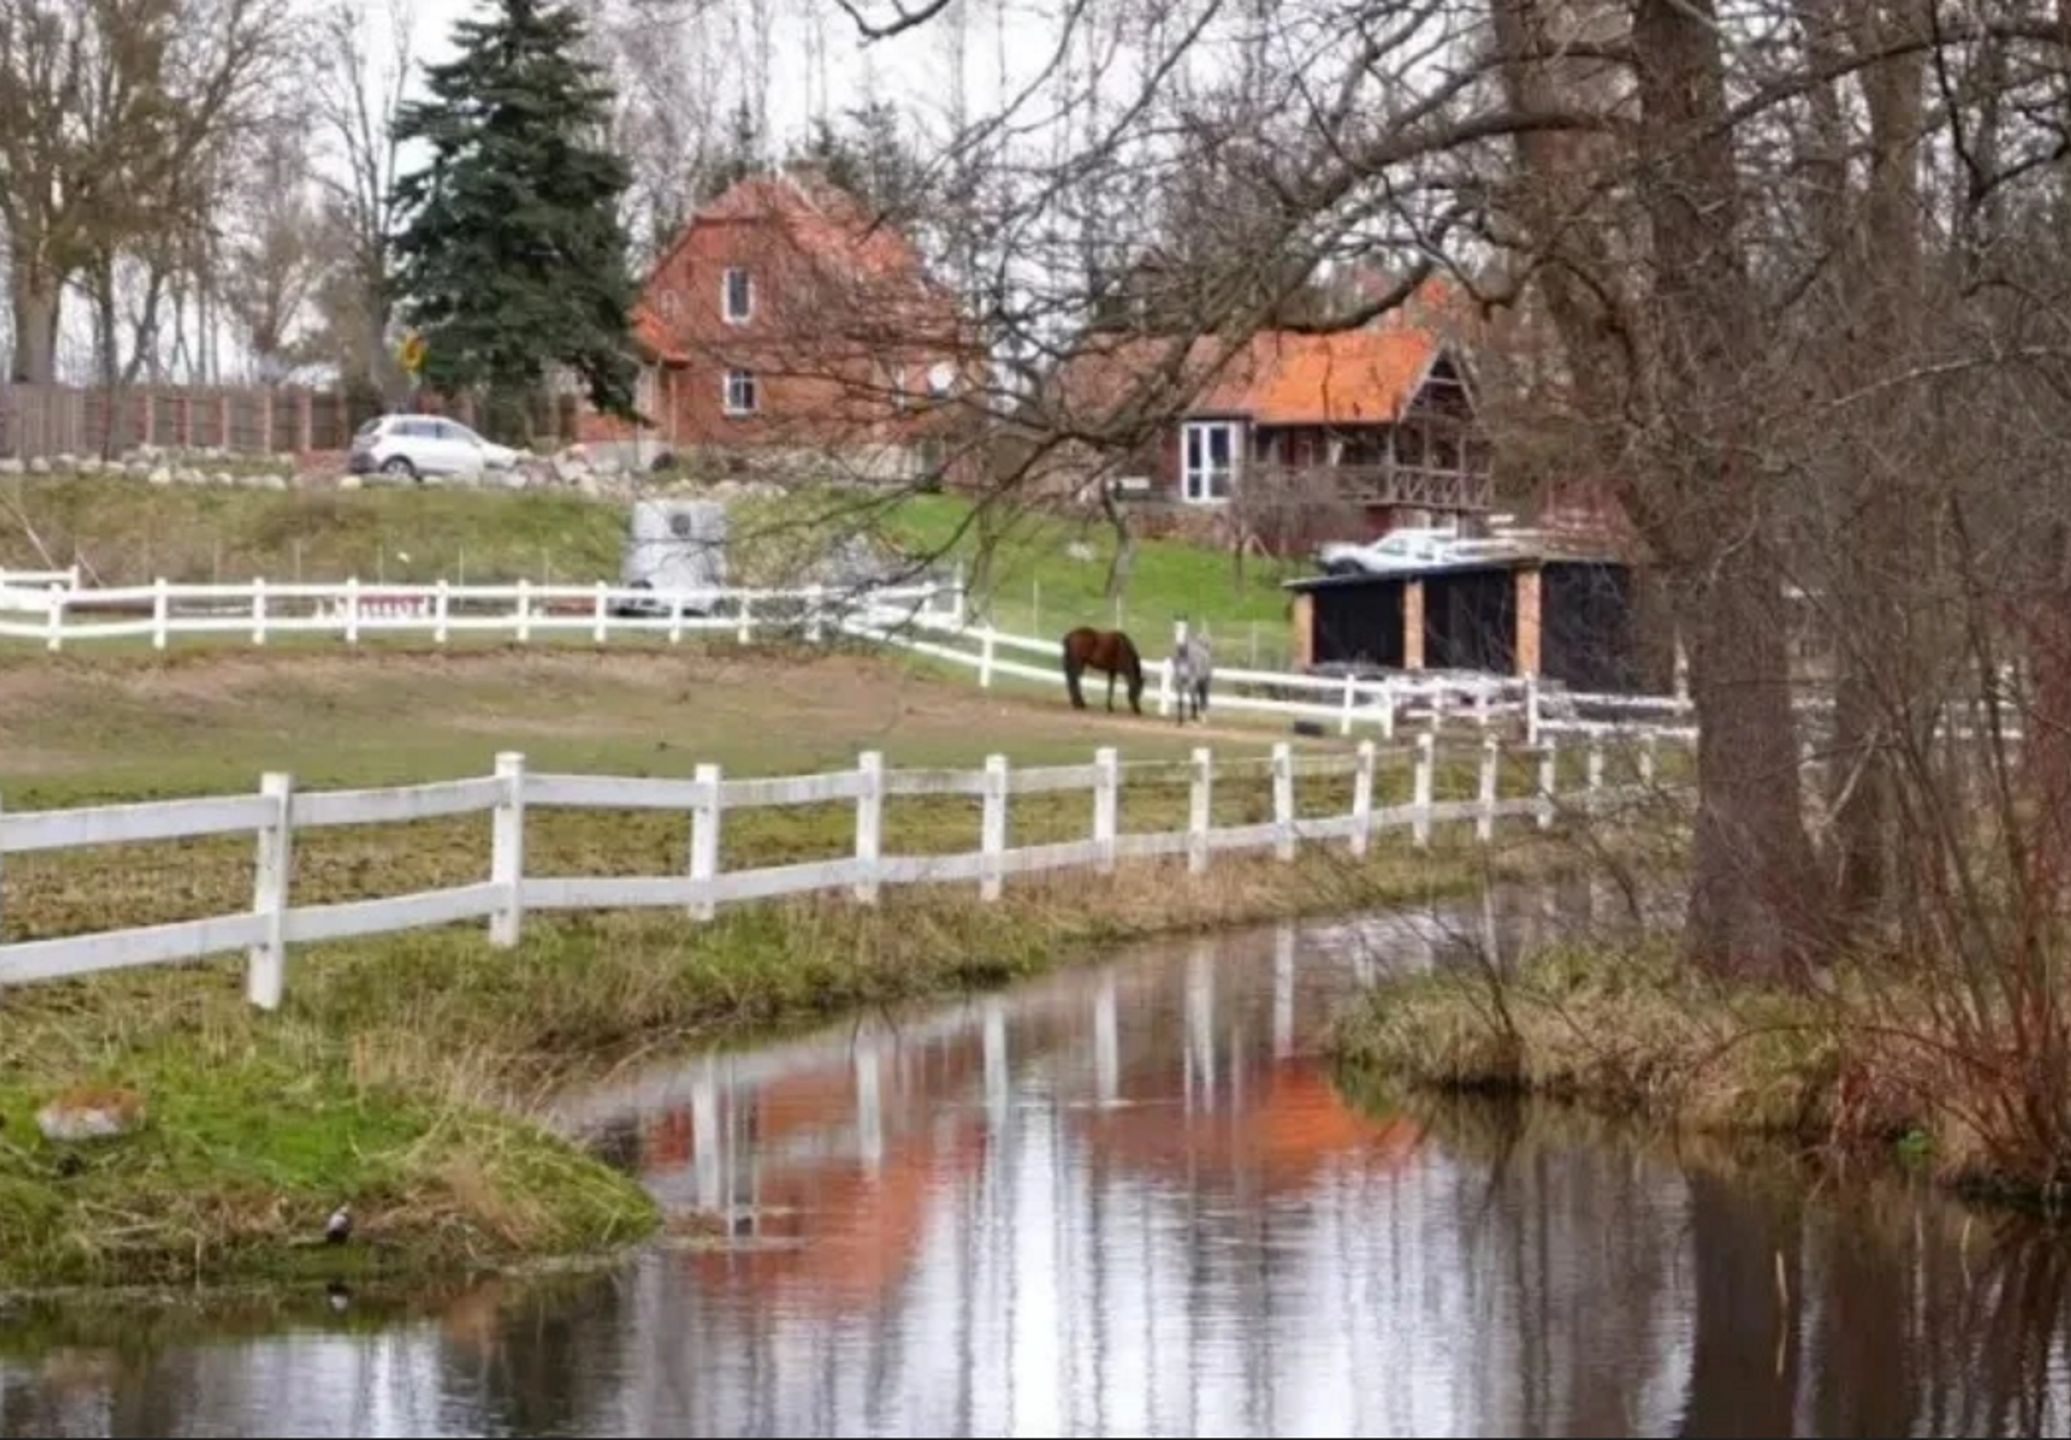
<point>737,296</point>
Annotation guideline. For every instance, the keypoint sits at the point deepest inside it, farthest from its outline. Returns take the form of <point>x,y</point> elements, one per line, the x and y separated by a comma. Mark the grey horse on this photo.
<point>1192,669</point>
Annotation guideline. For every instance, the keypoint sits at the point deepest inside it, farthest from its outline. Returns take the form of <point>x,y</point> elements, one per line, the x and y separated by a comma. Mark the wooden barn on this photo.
<point>1582,619</point>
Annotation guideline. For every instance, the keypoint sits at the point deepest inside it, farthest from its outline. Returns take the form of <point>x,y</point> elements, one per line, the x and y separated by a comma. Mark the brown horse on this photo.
<point>1110,650</point>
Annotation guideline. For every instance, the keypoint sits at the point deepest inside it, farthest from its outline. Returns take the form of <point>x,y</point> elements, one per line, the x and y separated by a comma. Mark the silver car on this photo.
<point>416,447</point>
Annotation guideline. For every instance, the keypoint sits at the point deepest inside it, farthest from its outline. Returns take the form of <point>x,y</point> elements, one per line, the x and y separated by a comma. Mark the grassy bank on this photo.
<point>1852,1070</point>
<point>399,1077</point>
<point>1040,573</point>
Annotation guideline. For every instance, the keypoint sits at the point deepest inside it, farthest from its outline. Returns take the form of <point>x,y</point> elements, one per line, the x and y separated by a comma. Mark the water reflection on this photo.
<point>1130,1200</point>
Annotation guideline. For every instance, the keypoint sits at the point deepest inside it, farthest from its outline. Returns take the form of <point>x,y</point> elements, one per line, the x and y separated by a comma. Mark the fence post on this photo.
<point>958,617</point>
<point>1387,710</point>
<point>1107,780</point>
<point>704,838</point>
<point>1165,686</point>
<point>1283,800</point>
<point>507,852</point>
<point>1420,795</point>
<point>676,618</point>
<point>1647,761</point>
<point>1549,779</point>
<point>746,632</point>
<point>352,610</point>
<point>57,616</point>
<point>441,610</point>
<point>814,599</point>
<point>1199,795</point>
<point>1485,818</point>
<point>161,614</point>
<point>992,838</point>
<point>524,618</point>
<point>266,965</point>
<point>1531,710</point>
<point>1481,708</point>
<point>1596,773</point>
<point>985,659</point>
<point>869,823</point>
<point>599,613</point>
<point>259,611</point>
<point>1362,799</point>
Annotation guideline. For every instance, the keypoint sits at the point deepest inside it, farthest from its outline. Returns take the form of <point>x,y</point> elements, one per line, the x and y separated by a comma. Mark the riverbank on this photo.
<point>403,1076</point>
<point>1852,1070</point>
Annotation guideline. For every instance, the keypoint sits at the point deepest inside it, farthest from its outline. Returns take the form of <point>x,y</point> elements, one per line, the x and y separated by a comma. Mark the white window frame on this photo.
<point>749,384</point>
<point>726,279</point>
<point>1196,479</point>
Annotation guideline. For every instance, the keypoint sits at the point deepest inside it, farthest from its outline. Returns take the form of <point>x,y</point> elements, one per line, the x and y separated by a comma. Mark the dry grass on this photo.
<point>1849,1069</point>
<point>399,1074</point>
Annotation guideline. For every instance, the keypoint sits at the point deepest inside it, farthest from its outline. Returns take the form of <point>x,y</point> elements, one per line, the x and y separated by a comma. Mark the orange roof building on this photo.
<point>1341,434</point>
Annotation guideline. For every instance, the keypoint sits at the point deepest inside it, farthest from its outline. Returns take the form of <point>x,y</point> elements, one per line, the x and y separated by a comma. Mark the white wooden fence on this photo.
<point>1347,703</point>
<point>262,610</point>
<point>278,814</point>
<point>927,619</point>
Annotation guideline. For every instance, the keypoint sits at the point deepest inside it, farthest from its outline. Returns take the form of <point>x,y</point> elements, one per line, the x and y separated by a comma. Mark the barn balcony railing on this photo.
<point>1410,485</point>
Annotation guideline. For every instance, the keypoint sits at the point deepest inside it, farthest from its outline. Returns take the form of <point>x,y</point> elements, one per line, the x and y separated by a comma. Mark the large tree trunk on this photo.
<point>1754,896</point>
<point>36,293</point>
<point>1708,504</point>
<point>1876,687</point>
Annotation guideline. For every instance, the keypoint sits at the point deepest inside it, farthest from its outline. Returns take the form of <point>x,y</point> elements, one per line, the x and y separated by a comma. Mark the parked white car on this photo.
<point>1396,550</point>
<point>418,447</point>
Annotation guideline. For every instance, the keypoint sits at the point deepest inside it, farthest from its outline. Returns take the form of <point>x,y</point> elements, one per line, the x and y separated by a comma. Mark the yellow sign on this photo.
<point>410,354</point>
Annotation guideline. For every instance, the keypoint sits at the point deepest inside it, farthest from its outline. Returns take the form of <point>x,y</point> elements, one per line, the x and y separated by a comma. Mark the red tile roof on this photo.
<point>1277,377</point>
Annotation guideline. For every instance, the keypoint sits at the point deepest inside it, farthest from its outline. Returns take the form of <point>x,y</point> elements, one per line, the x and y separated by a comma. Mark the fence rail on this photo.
<point>278,813</point>
<point>928,619</point>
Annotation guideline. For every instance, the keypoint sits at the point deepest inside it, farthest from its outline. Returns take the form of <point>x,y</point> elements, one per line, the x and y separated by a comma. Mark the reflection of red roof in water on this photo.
<point>1295,1125</point>
<point>857,1232</point>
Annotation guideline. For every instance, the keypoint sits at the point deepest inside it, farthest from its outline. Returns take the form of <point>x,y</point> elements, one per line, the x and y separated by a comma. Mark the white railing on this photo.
<point>1344,703</point>
<point>278,813</point>
<point>928,619</point>
<point>261,610</point>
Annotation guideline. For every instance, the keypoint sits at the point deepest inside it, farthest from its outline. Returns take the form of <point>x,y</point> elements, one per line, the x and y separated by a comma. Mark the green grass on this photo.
<point>128,532</point>
<point>400,1074</point>
<point>1034,585</point>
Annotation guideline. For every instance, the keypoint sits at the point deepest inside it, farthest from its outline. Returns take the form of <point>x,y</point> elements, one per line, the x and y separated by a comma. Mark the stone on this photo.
<point>38,465</point>
<point>188,475</point>
<point>272,482</point>
<point>161,476</point>
<point>1079,550</point>
<point>350,482</point>
<point>90,1112</point>
<point>89,465</point>
<point>64,460</point>
<point>224,480</point>
<point>138,468</point>
<point>10,466</point>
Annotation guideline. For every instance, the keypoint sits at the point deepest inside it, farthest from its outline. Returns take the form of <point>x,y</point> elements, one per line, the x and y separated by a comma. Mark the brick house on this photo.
<point>1339,435</point>
<point>785,326</point>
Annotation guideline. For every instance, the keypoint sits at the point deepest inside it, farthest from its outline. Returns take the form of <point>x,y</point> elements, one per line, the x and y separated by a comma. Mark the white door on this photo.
<point>1209,461</point>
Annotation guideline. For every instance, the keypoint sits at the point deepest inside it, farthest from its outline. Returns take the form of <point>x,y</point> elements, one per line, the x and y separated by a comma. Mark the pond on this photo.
<point>1129,1199</point>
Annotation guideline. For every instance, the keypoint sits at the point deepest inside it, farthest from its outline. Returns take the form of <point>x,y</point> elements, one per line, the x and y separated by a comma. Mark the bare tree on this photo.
<point>106,108</point>
<point>360,72</point>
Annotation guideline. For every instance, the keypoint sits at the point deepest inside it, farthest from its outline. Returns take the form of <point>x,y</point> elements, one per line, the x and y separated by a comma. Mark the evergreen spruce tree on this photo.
<point>513,257</point>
